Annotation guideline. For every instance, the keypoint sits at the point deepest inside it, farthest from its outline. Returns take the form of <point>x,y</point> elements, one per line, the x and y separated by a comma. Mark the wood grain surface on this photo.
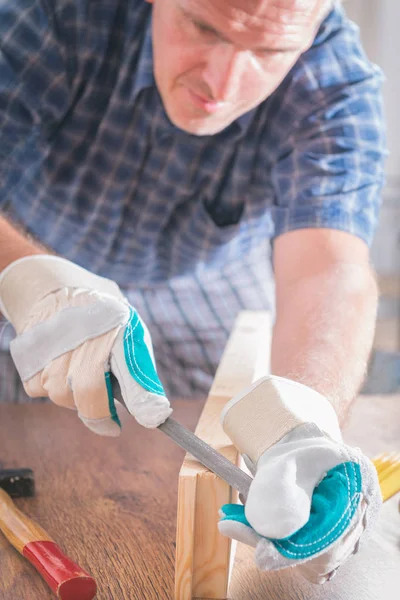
<point>109,503</point>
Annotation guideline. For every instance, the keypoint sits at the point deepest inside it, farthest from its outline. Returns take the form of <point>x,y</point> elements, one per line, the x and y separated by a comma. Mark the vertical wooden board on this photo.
<point>246,356</point>
<point>212,550</point>
<point>185,536</point>
<point>203,556</point>
<point>209,557</point>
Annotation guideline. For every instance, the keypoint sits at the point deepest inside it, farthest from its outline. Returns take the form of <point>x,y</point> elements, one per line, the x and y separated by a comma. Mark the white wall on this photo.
<point>379,22</point>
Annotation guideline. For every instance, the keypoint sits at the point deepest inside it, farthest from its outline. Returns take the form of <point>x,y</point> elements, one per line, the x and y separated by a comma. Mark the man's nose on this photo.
<point>223,71</point>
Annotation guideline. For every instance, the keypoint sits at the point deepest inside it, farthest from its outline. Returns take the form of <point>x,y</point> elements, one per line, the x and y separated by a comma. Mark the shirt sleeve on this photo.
<point>330,170</point>
<point>34,89</point>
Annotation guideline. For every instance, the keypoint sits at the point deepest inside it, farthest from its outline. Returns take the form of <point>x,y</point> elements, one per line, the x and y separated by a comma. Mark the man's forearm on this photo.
<point>324,332</point>
<point>15,244</point>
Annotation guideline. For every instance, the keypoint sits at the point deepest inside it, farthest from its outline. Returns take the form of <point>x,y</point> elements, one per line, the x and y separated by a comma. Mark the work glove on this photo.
<point>74,329</point>
<point>312,496</point>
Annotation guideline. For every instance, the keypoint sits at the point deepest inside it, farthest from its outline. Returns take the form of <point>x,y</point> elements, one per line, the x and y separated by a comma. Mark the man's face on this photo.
<point>215,60</point>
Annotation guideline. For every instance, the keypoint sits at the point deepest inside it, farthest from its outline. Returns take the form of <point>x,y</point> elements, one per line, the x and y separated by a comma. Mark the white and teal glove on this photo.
<point>74,328</point>
<point>312,497</point>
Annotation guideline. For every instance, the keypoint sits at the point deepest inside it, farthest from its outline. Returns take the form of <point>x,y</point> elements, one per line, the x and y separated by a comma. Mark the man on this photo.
<point>164,148</point>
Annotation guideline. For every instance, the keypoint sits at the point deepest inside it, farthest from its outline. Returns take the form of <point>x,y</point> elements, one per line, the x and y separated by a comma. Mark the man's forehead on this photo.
<point>259,11</point>
<point>276,20</point>
<point>259,7</point>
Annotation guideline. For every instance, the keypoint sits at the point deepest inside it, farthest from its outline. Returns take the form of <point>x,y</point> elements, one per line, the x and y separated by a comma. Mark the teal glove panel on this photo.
<point>137,356</point>
<point>334,503</point>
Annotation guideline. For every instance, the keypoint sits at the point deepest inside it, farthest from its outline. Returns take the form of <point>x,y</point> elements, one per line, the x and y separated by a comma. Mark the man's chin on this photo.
<point>199,126</point>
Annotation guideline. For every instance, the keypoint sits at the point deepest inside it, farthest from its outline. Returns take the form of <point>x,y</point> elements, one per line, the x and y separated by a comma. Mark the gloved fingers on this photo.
<point>133,365</point>
<point>267,557</point>
<point>344,504</point>
<point>33,386</point>
<point>280,495</point>
<point>107,426</point>
<point>234,524</point>
<point>315,568</point>
<point>54,380</point>
<point>335,511</point>
<point>88,379</point>
<point>323,567</point>
<point>277,505</point>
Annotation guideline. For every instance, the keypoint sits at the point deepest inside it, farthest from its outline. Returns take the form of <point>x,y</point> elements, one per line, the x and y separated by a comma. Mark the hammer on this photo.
<point>66,579</point>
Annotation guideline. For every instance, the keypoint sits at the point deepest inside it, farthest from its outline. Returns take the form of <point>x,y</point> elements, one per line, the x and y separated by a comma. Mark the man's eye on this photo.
<point>204,29</point>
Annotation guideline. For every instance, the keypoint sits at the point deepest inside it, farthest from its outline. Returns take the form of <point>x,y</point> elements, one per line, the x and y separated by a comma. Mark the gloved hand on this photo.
<point>312,497</point>
<point>73,329</point>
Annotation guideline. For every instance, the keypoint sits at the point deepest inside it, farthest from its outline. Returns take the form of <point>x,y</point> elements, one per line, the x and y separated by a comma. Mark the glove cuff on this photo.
<point>27,280</point>
<point>261,415</point>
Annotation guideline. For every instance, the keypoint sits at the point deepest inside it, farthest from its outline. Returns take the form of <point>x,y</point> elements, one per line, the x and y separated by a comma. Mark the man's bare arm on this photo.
<point>15,244</point>
<point>326,311</point>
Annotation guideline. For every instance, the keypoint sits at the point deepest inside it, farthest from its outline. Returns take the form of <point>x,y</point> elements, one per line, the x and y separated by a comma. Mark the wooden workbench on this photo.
<point>111,505</point>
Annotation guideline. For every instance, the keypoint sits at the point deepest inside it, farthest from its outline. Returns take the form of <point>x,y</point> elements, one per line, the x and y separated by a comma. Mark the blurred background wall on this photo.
<point>378,21</point>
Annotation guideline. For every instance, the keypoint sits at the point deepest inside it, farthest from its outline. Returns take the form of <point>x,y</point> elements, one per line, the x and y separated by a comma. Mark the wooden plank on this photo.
<point>185,532</point>
<point>203,556</point>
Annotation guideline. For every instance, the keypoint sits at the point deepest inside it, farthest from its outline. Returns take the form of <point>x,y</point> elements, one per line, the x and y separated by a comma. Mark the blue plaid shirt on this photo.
<point>91,165</point>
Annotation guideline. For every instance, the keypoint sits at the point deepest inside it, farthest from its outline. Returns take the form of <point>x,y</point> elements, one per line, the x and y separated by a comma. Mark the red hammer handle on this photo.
<point>67,579</point>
